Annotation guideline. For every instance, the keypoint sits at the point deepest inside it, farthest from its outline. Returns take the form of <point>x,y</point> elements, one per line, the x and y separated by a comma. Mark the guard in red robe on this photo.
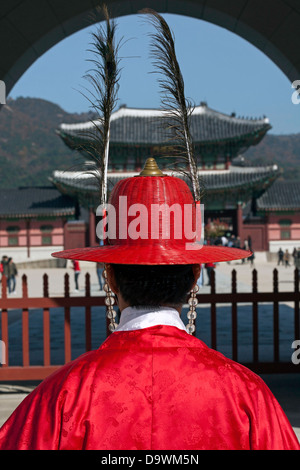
<point>151,385</point>
<point>154,387</point>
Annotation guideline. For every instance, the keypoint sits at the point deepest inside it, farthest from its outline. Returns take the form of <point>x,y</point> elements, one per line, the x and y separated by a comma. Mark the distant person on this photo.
<point>251,259</point>
<point>231,241</point>
<point>209,268</point>
<point>245,247</point>
<point>99,269</point>
<point>298,259</point>
<point>76,268</point>
<point>12,272</point>
<point>237,243</point>
<point>4,263</point>
<point>249,243</point>
<point>295,256</point>
<point>280,257</point>
<point>224,240</point>
<point>286,258</point>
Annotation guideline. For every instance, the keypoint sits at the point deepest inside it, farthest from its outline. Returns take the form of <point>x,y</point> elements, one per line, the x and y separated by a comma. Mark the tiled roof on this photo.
<point>238,177</point>
<point>144,126</point>
<point>235,177</point>
<point>282,195</point>
<point>34,202</point>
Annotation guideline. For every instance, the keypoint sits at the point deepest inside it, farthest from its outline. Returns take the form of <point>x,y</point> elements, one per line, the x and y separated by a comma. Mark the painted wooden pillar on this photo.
<point>92,227</point>
<point>239,221</point>
<point>28,237</point>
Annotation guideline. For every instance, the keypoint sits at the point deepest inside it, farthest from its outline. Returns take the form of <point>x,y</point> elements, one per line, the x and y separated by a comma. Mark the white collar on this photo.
<point>133,318</point>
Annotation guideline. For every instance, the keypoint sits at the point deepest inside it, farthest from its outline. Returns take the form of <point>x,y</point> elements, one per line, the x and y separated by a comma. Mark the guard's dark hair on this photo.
<point>142,285</point>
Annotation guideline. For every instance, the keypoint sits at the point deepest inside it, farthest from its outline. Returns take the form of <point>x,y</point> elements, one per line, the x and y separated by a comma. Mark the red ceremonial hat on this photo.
<point>152,219</point>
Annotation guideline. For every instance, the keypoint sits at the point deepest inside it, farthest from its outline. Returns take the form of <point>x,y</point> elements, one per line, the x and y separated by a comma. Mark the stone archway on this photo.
<point>28,28</point>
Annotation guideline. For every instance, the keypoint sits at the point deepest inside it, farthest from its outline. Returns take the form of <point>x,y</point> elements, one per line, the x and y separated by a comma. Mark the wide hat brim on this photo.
<point>156,245</point>
<point>154,255</point>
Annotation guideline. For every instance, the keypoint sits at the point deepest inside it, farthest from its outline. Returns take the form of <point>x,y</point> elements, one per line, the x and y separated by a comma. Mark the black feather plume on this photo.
<point>176,108</point>
<point>104,78</point>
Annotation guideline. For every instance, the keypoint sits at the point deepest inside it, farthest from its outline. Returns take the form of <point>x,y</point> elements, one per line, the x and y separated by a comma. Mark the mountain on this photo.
<point>283,150</point>
<point>30,150</point>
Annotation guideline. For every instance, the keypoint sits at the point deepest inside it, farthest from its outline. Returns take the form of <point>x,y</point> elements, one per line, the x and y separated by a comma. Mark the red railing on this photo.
<point>255,298</point>
<point>46,303</point>
<point>26,371</point>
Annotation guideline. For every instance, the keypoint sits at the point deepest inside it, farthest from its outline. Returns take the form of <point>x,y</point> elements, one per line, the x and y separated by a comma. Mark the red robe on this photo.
<point>154,388</point>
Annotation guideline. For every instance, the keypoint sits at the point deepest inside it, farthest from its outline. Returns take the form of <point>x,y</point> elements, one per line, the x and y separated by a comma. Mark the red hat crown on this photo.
<point>157,210</point>
<point>137,235</point>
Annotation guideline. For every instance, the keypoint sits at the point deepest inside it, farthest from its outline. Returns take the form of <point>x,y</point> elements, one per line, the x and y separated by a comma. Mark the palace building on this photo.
<point>136,134</point>
<point>234,192</point>
<point>34,220</point>
<point>278,217</point>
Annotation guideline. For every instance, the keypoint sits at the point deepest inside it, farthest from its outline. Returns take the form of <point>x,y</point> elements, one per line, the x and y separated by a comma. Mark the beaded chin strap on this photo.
<point>192,314</point>
<point>109,302</point>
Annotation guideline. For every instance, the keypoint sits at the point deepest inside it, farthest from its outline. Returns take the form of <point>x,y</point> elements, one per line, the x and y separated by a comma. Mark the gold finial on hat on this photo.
<point>151,168</point>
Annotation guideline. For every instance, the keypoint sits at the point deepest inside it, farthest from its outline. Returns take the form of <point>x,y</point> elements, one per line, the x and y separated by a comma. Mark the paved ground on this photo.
<point>223,277</point>
<point>284,386</point>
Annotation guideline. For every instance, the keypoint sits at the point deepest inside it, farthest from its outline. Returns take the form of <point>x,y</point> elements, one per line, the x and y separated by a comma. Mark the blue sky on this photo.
<point>218,67</point>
